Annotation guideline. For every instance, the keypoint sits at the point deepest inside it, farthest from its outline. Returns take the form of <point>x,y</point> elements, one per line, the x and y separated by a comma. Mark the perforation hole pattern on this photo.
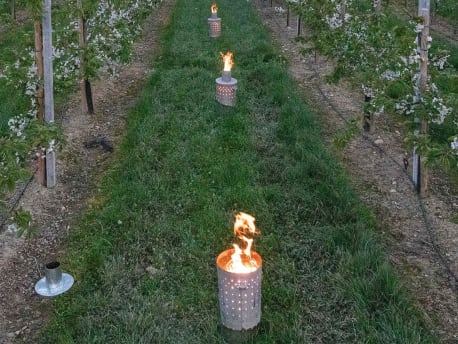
<point>214,28</point>
<point>240,299</point>
<point>226,94</point>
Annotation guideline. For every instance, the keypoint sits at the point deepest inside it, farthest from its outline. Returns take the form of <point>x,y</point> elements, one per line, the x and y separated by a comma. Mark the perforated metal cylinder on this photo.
<point>214,27</point>
<point>226,91</point>
<point>239,294</point>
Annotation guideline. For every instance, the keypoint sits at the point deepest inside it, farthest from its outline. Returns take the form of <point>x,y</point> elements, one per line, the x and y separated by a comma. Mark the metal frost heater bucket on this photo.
<point>239,294</point>
<point>226,85</point>
<point>214,23</point>
<point>239,279</point>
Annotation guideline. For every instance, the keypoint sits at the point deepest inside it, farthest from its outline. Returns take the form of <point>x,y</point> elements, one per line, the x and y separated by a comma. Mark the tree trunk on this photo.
<point>39,62</point>
<point>13,9</point>
<point>87,104</point>
<point>378,7</point>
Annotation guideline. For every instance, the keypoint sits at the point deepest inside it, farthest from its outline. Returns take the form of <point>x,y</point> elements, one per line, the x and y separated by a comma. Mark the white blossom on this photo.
<point>454,144</point>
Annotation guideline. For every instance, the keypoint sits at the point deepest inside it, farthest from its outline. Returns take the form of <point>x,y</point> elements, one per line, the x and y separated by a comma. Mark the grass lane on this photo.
<point>185,166</point>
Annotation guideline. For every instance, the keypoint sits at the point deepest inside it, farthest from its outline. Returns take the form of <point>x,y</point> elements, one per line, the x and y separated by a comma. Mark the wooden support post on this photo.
<point>421,180</point>
<point>48,75</point>
<point>47,63</point>
<point>41,168</point>
<point>51,179</point>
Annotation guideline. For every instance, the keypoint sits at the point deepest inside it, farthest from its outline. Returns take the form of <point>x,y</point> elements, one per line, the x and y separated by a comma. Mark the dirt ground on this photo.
<point>22,311</point>
<point>420,238</point>
<point>418,233</point>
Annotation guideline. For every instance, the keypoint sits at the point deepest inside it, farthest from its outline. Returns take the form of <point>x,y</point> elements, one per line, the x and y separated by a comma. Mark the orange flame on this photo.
<point>214,8</point>
<point>241,260</point>
<point>227,60</point>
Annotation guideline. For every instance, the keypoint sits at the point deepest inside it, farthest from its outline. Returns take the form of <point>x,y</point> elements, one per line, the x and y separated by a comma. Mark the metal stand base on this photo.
<point>43,288</point>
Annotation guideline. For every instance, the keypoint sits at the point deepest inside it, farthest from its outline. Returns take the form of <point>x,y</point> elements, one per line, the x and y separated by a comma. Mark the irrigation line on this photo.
<point>451,276</point>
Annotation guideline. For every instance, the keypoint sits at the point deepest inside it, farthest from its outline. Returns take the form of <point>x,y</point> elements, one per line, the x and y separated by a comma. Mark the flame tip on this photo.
<point>227,60</point>
<point>241,260</point>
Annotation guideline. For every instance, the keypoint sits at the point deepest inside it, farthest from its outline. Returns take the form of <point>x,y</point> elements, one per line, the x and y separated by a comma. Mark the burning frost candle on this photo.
<point>226,86</point>
<point>239,279</point>
<point>214,23</point>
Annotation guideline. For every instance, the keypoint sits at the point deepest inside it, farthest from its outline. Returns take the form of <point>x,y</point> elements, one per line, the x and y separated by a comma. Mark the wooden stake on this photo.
<point>51,179</point>
<point>421,181</point>
<point>39,62</point>
<point>41,164</point>
<point>41,168</point>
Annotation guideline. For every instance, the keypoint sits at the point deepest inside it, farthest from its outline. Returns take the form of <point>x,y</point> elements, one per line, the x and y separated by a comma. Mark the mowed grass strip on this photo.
<point>144,256</point>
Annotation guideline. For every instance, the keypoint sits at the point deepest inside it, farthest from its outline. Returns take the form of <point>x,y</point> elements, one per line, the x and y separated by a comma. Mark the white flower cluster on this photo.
<point>368,91</point>
<point>338,18</point>
<point>454,144</point>
<point>112,28</point>
<point>441,110</point>
<point>390,75</point>
<point>51,146</point>
<point>440,62</point>
<point>406,105</point>
<point>17,125</point>
<point>419,27</point>
<point>66,60</point>
<point>413,58</point>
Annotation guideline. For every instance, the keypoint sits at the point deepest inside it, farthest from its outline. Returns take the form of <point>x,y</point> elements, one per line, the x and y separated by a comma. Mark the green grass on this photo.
<point>185,166</point>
